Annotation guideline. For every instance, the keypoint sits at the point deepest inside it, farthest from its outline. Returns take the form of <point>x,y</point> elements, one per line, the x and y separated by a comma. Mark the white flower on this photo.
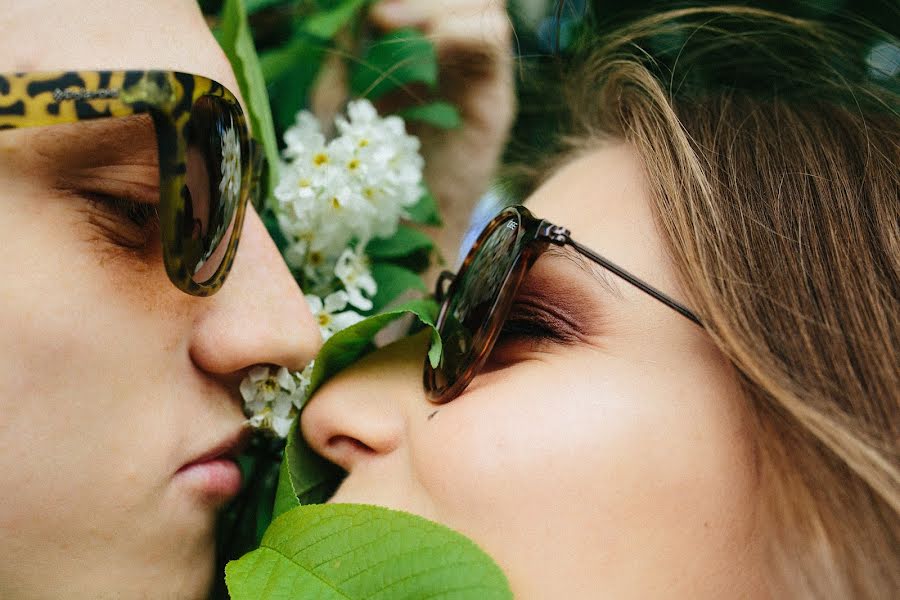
<point>327,316</point>
<point>230,184</point>
<point>272,401</point>
<point>305,137</point>
<point>304,380</point>
<point>258,389</point>
<point>355,187</point>
<point>353,270</point>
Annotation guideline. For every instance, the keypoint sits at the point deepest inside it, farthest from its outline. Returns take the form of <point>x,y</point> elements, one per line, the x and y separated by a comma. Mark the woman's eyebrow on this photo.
<point>601,276</point>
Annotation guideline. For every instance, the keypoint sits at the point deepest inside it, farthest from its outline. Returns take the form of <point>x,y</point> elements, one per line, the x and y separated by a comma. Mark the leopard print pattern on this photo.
<point>49,98</point>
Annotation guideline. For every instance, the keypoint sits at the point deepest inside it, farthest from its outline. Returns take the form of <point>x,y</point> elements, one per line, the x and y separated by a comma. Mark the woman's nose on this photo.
<point>365,411</point>
<point>259,316</point>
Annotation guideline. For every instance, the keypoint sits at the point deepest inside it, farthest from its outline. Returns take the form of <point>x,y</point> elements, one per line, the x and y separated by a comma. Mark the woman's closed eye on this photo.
<point>538,323</point>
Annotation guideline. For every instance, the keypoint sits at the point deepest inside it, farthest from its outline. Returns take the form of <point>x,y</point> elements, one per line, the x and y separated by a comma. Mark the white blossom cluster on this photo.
<point>347,190</point>
<point>334,196</point>
<point>274,399</point>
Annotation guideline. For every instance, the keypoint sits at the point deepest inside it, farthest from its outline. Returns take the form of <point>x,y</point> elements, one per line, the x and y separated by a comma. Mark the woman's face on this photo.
<point>112,380</point>
<point>616,465</point>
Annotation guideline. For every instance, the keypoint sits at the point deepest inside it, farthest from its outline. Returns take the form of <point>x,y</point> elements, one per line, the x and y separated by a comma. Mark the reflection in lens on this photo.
<point>467,316</point>
<point>213,185</point>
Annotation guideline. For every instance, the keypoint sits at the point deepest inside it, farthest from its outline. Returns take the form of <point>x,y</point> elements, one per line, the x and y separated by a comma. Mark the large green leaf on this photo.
<point>237,42</point>
<point>353,551</point>
<point>399,58</point>
<point>285,497</point>
<point>349,345</point>
<point>304,477</point>
<point>392,281</point>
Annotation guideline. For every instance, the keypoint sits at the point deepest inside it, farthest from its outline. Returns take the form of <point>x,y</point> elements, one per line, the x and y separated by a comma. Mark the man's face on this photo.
<point>117,390</point>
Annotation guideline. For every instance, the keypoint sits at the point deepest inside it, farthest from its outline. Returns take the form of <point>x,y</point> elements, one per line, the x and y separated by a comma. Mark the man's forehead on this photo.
<point>81,35</point>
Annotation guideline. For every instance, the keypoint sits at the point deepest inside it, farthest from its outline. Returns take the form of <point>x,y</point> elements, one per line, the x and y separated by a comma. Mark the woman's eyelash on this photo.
<point>527,321</point>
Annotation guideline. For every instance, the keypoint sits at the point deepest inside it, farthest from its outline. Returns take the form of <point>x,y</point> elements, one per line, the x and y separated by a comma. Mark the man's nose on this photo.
<point>259,316</point>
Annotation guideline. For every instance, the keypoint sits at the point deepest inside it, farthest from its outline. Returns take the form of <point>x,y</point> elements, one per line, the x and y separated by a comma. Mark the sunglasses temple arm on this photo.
<point>641,285</point>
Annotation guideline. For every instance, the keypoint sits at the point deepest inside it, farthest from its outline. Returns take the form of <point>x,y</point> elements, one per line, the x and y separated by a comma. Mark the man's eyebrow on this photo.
<point>601,276</point>
<point>110,130</point>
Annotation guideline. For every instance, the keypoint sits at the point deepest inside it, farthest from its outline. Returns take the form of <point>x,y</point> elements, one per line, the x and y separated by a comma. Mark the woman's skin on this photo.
<point>618,465</point>
<point>111,379</point>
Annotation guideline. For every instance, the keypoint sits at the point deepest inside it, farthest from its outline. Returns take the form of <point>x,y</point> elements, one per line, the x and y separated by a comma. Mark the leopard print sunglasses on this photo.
<point>209,167</point>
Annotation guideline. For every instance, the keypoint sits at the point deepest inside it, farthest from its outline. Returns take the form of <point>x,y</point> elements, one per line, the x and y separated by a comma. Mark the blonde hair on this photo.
<point>774,171</point>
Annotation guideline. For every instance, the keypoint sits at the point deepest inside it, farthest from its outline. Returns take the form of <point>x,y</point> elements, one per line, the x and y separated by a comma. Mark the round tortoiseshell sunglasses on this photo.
<point>208,165</point>
<point>478,299</point>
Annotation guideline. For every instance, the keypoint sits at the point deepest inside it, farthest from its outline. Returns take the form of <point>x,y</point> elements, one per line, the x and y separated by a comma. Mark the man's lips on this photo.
<point>228,448</point>
<point>213,473</point>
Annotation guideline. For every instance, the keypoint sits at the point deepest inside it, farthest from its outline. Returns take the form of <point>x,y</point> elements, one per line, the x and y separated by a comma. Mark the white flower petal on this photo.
<point>248,389</point>
<point>257,374</point>
<point>281,426</point>
<point>358,300</point>
<point>336,301</point>
<point>282,405</point>
<point>344,320</point>
<point>285,380</point>
<point>315,304</point>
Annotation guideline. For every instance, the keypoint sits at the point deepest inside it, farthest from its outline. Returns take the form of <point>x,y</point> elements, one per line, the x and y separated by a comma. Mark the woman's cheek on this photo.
<point>511,438</point>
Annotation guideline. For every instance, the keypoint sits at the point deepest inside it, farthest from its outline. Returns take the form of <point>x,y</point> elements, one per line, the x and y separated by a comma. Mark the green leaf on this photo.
<point>392,281</point>
<point>285,497</point>
<point>291,71</point>
<point>304,477</point>
<point>237,42</point>
<point>353,551</point>
<point>425,211</point>
<point>438,114</point>
<point>326,25</point>
<point>399,58</point>
<point>349,345</point>
<point>258,5</point>
<point>403,243</point>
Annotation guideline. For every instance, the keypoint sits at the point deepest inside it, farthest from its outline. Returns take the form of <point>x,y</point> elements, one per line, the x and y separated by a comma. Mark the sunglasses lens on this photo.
<point>215,167</point>
<point>467,324</point>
